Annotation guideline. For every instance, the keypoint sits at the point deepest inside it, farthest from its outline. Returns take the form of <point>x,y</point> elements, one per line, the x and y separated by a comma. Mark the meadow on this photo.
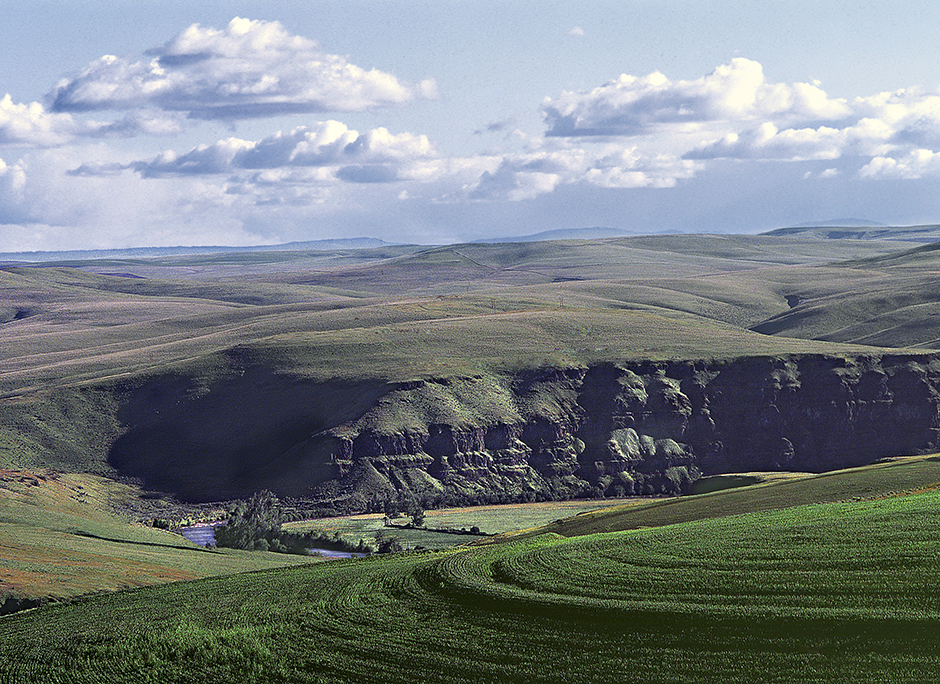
<point>490,520</point>
<point>815,592</point>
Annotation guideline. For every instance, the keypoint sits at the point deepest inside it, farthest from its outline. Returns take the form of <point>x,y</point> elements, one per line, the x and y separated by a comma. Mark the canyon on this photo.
<point>611,429</point>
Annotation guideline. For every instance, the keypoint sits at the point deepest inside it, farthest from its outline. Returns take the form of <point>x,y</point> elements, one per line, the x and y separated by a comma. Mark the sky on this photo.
<point>138,123</point>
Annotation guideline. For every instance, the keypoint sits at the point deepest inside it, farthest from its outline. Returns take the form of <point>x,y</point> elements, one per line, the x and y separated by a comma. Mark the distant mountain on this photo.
<point>594,233</point>
<point>927,233</point>
<point>150,252</point>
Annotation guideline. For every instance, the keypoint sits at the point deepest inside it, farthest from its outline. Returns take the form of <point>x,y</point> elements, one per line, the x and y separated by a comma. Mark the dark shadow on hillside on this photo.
<point>248,432</point>
<point>89,535</point>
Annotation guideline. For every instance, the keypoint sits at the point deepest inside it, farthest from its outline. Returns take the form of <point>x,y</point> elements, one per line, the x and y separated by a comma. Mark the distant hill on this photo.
<point>926,233</point>
<point>595,233</point>
<point>842,223</point>
<point>150,252</point>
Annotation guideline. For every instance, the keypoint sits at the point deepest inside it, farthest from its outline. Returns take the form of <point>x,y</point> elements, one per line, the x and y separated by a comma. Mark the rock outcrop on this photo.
<point>613,429</point>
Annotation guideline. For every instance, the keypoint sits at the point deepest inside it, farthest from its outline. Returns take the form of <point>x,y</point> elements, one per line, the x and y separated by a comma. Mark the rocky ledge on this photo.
<point>612,429</point>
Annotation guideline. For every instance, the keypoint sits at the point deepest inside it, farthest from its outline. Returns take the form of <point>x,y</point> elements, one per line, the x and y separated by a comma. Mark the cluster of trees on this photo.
<point>670,483</point>
<point>255,525</point>
<point>406,504</point>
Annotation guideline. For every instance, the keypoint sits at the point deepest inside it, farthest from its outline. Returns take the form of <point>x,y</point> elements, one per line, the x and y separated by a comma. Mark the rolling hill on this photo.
<point>480,373</point>
<point>405,339</point>
<point>831,591</point>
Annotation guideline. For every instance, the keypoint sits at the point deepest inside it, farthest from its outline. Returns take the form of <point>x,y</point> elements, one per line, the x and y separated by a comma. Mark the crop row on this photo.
<point>839,592</point>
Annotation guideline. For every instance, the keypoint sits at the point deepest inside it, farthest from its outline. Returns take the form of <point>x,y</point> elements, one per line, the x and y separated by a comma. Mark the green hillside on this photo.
<point>337,329</point>
<point>880,480</point>
<point>63,536</point>
<point>819,592</point>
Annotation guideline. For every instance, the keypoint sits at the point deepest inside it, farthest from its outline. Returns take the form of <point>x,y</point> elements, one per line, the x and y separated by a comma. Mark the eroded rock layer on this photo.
<point>612,429</point>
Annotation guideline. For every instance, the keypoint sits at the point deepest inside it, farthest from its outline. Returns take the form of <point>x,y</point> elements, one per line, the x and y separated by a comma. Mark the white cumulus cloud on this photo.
<point>527,175</point>
<point>369,157</point>
<point>911,166</point>
<point>248,69</point>
<point>734,112</point>
<point>30,124</point>
<point>201,160</point>
<point>12,182</point>
<point>767,142</point>
<point>737,91</point>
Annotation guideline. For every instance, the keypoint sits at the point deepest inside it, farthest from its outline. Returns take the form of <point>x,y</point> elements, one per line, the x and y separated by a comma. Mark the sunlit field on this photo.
<point>826,592</point>
<point>489,520</point>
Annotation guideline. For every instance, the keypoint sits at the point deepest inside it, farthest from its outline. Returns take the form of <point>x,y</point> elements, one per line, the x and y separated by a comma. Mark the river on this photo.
<point>204,535</point>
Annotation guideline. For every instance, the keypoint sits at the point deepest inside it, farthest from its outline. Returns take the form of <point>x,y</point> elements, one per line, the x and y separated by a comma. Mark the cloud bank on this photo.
<point>248,69</point>
<point>87,159</point>
<point>373,156</point>
<point>735,113</point>
<point>630,133</point>
<point>31,125</point>
<point>737,91</point>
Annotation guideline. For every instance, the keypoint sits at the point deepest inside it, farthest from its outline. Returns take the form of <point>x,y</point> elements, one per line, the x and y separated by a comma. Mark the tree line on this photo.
<point>256,525</point>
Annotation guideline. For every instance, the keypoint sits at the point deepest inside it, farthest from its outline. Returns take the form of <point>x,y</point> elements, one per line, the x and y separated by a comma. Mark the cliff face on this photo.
<point>631,428</point>
<point>805,413</point>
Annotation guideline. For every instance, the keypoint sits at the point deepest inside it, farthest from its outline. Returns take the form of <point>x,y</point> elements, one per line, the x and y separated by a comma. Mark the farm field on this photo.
<point>817,592</point>
<point>891,478</point>
<point>490,519</point>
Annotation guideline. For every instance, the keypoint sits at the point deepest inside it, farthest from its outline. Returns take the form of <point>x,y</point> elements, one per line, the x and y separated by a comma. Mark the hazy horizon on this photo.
<point>259,123</point>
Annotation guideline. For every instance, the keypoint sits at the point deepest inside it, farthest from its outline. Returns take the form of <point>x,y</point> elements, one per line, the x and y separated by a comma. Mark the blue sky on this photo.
<point>193,123</point>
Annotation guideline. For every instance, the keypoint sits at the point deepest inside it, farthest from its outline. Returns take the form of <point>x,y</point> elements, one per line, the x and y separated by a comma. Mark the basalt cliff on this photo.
<point>611,429</point>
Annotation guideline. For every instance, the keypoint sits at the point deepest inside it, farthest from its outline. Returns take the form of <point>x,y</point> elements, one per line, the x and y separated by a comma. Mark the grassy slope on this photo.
<point>819,592</point>
<point>868,482</point>
<point>83,328</point>
<point>399,314</point>
<point>924,233</point>
<point>77,326</point>
<point>60,539</point>
<point>890,299</point>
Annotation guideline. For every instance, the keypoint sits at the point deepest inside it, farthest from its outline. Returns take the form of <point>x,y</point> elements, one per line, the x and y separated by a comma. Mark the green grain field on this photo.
<point>822,592</point>
<point>842,589</point>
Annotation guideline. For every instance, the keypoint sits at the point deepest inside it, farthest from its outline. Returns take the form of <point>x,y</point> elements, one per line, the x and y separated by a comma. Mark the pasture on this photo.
<point>820,592</point>
<point>489,519</point>
<point>351,314</point>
